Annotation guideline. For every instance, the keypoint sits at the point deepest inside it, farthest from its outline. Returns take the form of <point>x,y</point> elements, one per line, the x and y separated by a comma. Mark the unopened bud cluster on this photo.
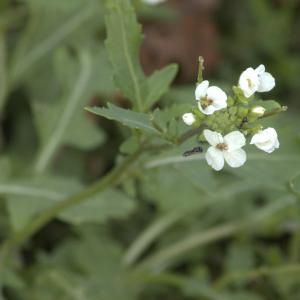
<point>228,120</point>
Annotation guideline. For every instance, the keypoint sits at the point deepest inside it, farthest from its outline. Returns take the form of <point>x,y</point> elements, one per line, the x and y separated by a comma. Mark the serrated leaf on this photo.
<point>127,117</point>
<point>159,83</point>
<point>124,37</point>
<point>123,42</point>
<point>25,198</point>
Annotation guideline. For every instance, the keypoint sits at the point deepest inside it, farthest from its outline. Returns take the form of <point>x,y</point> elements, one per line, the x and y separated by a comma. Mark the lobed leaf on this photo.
<point>127,117</point>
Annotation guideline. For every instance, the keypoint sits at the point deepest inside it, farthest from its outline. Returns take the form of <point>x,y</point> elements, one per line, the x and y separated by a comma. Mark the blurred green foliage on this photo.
<point>172,228</point>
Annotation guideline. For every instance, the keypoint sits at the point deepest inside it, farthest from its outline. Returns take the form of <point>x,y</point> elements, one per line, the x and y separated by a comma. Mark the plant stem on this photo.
<point>110,179</point>
<point>161,260</point>
<point>200,69</point>
<point>147,237</point>
<point>165,257</point>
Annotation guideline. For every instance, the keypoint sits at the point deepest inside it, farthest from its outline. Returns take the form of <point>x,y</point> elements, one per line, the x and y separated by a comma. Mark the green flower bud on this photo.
<point>257,111</point>
<point>233,110</point>
<point>240,97</point>
<point>201,138</point>
<point>230,101</point>
<point>255,129</point>
<point>242,112</point>
<point>198,113</point>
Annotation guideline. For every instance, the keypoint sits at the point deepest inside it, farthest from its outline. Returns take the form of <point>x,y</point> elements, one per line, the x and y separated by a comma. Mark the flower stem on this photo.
<point>200,69</point>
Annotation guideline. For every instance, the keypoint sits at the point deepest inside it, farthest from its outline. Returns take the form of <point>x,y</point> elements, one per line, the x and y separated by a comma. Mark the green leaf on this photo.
<point>159,83</point>
<point>25,198</point>
<point>3,75</point>
<point>86,267</point>
<point>51,23</point>
<point>124,37</point>
<point>123,42</point>
<point>127,117</point>
<point>58,120</point>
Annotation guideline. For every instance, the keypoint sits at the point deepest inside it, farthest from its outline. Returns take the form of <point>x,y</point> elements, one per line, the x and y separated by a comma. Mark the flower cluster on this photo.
<point>228,120</point>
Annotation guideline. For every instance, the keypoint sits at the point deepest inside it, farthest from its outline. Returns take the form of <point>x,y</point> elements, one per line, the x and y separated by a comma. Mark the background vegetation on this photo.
<point>165,227</point>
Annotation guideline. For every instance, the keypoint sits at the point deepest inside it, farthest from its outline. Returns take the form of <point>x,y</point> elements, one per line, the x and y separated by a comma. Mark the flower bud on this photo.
<point>189,119</point>
<point>242,112</point>
<point>257,111</point>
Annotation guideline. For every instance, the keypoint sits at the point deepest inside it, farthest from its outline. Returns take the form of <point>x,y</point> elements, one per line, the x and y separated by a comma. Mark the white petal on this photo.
<point>264,136</point>
<point>236,158</point>
<point>188,119</point>
<point>209,110</point>
<point>214,158</point>
<point>260,69</point>
<point>234,140</point>
<point>201,89</point>
<point>218,96</point>
<point>267,82</point>
<point>266,140</point>
<point>214,138</point>
<point>258,110</point>
<point>249,82</point>
<point>268,147</point>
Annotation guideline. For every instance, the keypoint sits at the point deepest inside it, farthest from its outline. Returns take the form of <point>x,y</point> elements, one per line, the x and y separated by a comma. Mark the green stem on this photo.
<point>200,69</point>
<point>165,257</point>
<point>162,258</point>
<point>147,237</point>
<point>110,179</point>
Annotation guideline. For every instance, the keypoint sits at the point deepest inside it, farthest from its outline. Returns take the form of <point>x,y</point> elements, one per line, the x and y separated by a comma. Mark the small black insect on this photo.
<point>195,150</point>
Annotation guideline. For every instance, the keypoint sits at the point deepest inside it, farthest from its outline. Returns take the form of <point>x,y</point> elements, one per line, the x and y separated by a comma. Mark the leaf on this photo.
<point>124,37</point>
<point>127,117</point>
<point>123,42</point>
<point>58,120</point>
<point>159,83</point>
<point>25,198</point>
<point>3,71</point>
<point>88,267</point>
<point>50,24</point>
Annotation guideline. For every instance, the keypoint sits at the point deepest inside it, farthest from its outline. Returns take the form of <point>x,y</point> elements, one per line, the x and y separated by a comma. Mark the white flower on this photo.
<point>266,140</point>
<point>210,99</point>
<point>226,148</point>
<point>188,119</point>
<point>257,80</point>
<point>258,111</point>
<point>153,2</point>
